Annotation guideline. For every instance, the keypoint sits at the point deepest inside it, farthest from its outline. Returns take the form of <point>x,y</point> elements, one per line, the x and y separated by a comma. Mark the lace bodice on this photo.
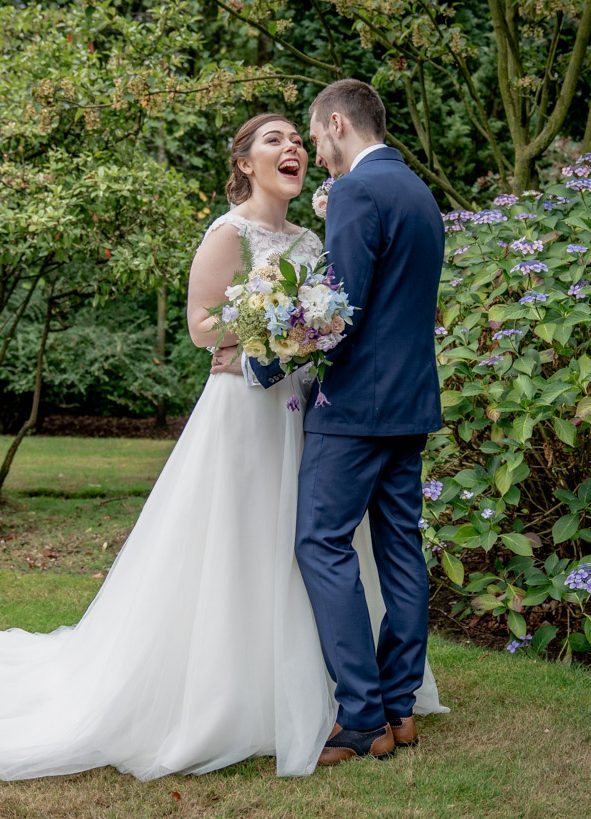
<point>266,243</point>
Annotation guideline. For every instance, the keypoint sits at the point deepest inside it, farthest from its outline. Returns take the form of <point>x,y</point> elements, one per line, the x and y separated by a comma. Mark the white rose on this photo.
<point>315,301</point>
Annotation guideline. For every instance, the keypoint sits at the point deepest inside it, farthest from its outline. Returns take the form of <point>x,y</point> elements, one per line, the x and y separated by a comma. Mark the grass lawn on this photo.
<point>517,743</point>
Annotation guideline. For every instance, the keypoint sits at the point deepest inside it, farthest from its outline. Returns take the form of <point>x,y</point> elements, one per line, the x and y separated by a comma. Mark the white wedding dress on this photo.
<point>200,649</point>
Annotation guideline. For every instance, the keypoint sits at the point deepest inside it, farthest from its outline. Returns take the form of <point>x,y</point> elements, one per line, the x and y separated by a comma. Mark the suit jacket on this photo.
<point>385,240</point>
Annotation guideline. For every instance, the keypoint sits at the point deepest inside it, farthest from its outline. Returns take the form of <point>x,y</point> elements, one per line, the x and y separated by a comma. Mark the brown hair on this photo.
<point>358,101</point>
<point>238,187</point>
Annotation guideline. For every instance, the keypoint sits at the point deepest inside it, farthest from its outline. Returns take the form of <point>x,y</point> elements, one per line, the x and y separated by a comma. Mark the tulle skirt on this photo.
<point>200,649</point>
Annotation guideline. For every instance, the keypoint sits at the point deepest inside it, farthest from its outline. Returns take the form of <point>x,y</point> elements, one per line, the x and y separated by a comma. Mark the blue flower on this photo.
<point>580,578</point>
<point>576,249</point>
<point>575,289</point>
<point>579,185</point>
<point>506,334</point>
<point>530,266</point>
<point>515,645</point>
<point>533,296</point>
<point>487,514</point>
<point>527,246</point>
<point>506,199</point>
<point>488,217</point>
<point>525,215</point>
<point>423,524</point>
<point>491,361</point>
<point>432,489</point>
<point>460,250</point>
<point>465,494</point>
<point>440,331</point>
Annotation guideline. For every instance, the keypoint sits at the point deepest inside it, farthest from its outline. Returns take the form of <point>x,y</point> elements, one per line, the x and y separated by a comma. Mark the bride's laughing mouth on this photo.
<point>290,168</point>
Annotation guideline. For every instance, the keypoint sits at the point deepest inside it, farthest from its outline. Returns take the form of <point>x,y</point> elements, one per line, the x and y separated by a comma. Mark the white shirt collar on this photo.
<point>362,154</point>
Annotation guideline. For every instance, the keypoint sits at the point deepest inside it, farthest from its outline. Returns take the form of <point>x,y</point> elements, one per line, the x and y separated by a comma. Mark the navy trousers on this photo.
<point>342,477</point>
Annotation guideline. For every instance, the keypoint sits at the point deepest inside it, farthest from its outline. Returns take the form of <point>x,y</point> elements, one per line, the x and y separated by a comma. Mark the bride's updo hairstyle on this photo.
<point>238,187</point>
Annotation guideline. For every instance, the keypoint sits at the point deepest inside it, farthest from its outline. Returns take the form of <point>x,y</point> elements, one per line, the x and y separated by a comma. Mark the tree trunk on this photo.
<point>525,176</point>
<point>32,419</point>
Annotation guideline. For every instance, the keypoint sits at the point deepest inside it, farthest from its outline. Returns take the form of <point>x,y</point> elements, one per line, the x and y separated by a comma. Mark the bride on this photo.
<point>200,649</point>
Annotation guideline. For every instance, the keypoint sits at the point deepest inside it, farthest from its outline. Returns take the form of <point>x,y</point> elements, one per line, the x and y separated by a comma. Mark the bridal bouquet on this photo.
<point>320,197</point>
<point>289,311</point>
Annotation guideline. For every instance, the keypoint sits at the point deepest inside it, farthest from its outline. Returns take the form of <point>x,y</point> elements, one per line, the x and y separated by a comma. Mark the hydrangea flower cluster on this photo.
<point>576,249</point>
<point>506,199</point>
<point>432,489</point>
<point>576,289</point>
<point>532,296</point>
<point>440,331</point>
<point>423,524</point>
<point>581,168</point>
<point>515,645</point>
<point>488,217</point>
<point>580,578</point>
<point>506,334</point>
<point>579,185</point>
<point>530,266</point>
<point>527,246</point>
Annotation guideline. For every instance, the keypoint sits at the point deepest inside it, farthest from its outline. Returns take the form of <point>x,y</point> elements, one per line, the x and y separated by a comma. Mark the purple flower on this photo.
<point>321,400</point>
<point>515,645</point>
<point>453,227</point>
<point>297,317</point>
<point>575,289</point>
<point>435,548</point>
<point>488,217</point>
<point>457,215</point>
<point>465,494</point>
<point>506,334</point>
<point>432,489</point>
<point>328,341</point>
<point>533,296</point>
<point>293,403</point>
<point>460,250</point>
<point>455,282</point>
<point>506,199</point>
<point>491,361</point>
<point>525,215</point>
<point>580,578</point>
<point>576,249</point>
<point>327,184</point>
<point>440,331</point>
<point>501,243</point>
<point>527,246</point>
<point>530,266</point>
<point>229,314</point>
<point>423,524</point>
<point>579,185</point>
<point>487,514</point>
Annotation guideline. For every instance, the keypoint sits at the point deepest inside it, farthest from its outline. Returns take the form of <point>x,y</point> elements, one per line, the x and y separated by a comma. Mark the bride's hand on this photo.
<point>226,360</point>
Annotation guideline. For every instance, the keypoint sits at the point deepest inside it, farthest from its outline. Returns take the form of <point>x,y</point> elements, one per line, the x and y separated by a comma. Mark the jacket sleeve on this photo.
<point>269,375</point>
<point>353,239</point>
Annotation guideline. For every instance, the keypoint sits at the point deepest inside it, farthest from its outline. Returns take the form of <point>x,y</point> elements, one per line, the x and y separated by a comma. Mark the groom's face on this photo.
<point>328,153</point>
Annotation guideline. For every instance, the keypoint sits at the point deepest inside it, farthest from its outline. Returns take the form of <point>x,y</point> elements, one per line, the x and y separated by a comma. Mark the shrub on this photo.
<point>509,490</point>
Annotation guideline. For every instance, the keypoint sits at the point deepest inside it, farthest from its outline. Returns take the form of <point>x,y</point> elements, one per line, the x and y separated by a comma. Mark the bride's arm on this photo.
<point>215,263</point>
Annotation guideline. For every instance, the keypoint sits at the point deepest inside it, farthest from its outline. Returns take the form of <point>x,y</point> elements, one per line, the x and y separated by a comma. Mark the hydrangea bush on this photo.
<point>507,487</point>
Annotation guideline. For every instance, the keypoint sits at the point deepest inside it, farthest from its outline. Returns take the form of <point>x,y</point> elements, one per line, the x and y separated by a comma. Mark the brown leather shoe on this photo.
<point>404,731</point>
<point>345,744</point>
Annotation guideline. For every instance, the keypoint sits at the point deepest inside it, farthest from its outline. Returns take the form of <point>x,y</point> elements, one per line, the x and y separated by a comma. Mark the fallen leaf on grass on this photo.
<point>176,795</point>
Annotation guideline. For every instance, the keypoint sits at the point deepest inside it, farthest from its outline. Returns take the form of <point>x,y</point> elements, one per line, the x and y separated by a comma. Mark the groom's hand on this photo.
<point>226,360</point>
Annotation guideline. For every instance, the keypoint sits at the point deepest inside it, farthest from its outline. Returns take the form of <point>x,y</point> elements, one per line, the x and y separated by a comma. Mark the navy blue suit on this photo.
<point>385,238</point>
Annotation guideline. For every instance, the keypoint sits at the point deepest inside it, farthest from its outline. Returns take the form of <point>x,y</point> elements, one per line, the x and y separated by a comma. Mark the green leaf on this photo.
<point>587,627</point>
<point>519,544</point>
<point>565,528</point>
<point>584,408</point>
<point>449,398</point>
<point>564,430</point>
<point>288,271</point>
<point>523,426</point>
<point>534,598</point>
<point>545,330</point>
<point>542,637</point>
<point>485,602</point>
<point>503,479</point>
<point>453,567</point>
<point>578,642</point>
<point>517,624</point>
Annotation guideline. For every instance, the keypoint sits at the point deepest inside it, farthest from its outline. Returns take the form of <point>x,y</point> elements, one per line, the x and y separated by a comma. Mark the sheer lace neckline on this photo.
<point>258,226</point>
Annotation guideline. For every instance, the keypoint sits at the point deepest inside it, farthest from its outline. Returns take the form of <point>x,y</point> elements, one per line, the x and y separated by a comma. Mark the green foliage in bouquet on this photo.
<point>510,488</point>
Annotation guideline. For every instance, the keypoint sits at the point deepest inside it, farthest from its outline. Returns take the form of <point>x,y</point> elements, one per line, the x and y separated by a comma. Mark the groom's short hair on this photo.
<point>358,101</point>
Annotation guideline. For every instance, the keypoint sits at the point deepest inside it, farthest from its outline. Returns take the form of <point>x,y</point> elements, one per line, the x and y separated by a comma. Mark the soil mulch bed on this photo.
<point>96,426</point>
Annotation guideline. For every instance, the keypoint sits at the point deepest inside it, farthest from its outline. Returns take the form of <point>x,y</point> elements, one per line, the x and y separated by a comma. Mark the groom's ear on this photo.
<point>336,124</point>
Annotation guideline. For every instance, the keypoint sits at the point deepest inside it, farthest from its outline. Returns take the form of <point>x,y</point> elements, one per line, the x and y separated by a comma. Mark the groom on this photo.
<point>362,453</point>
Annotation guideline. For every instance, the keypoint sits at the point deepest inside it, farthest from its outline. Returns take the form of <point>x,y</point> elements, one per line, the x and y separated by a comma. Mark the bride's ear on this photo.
<point>245,166</point>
